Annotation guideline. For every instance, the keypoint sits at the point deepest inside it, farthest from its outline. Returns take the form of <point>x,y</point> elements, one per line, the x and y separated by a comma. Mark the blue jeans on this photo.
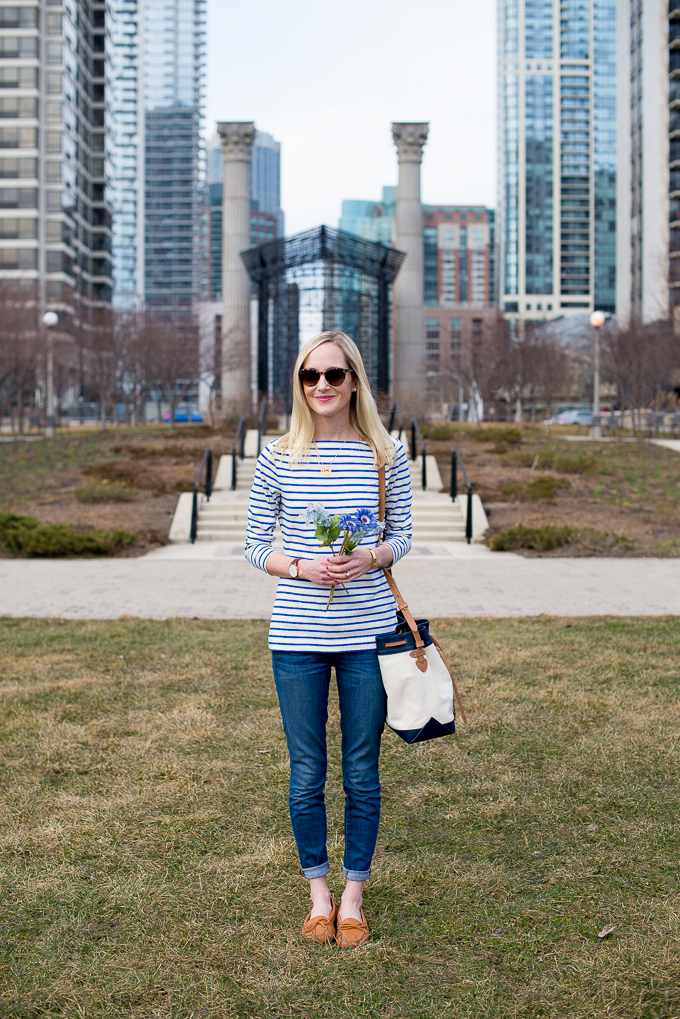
<point>302,681</point>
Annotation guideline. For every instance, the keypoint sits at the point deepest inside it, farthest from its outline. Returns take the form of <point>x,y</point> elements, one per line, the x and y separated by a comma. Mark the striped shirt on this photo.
<point>300,620</point>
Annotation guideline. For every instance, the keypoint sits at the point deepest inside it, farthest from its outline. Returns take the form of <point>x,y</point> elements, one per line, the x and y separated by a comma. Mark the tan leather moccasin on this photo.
<point>321,928</point>
<point>352,933</point>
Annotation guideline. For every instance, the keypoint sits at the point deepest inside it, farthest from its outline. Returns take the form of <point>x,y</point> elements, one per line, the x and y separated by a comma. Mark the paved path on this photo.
<point>469,582</point>
<point>668,443</point>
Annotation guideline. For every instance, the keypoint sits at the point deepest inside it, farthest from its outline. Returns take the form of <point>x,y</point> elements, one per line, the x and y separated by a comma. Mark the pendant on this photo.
<point>326,469</point>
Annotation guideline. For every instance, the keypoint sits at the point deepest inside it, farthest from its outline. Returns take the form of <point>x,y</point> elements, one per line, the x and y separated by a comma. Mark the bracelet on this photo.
<point>373,556</point>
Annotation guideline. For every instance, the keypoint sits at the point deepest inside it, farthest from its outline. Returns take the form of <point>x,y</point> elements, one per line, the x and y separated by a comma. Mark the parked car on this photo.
<point>574,416</point>
<point>184,414</point>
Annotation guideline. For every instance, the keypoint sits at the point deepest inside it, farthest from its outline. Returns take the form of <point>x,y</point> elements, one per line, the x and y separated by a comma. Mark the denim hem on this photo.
<point>312,872</point>
<point>356,875</point>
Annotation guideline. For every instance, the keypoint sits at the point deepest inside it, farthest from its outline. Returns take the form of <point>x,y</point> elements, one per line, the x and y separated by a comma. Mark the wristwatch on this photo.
<point>293,569</point>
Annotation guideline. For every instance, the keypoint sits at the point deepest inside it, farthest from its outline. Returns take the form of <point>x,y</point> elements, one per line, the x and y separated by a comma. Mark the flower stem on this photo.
<point>342,549</point>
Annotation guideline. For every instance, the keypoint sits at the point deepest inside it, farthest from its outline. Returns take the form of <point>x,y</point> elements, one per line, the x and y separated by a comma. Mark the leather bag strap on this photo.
<point>401,604</point>
<point>398,597</point>
<point>453,682</point>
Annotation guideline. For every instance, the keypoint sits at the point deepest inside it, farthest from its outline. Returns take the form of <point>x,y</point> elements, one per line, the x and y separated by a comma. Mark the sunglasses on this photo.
<point>333,376</point>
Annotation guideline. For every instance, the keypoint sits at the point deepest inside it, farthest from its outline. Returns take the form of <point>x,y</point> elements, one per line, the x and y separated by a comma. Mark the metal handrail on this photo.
<point>415,436</point>
<point>237,450</point>
<point>206,465</point>
<point>261,425</point>
<point>456,459</point>
<point>396,413</point>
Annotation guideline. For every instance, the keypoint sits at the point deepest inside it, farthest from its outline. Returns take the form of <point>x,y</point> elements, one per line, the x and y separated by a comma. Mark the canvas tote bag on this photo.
<point>417,680</point>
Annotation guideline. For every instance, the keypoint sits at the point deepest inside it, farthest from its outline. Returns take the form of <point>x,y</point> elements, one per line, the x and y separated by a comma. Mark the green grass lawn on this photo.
<point>148,868</point>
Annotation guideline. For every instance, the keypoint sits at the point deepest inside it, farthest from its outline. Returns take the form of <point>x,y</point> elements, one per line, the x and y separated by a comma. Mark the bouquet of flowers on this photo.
<point>353,527</point>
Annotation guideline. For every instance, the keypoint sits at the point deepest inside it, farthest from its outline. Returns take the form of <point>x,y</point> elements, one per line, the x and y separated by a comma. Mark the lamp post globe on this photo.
<point>50,319</point>
<point>597,319</point>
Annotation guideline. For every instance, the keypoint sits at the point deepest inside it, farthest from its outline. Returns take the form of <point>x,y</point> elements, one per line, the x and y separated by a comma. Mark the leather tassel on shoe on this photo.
<point>352,933</point>
<point>321,929</point>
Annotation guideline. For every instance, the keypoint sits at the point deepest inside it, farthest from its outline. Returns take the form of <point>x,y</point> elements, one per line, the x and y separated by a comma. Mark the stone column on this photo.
<point>237,142</point>
<point>408,363</point>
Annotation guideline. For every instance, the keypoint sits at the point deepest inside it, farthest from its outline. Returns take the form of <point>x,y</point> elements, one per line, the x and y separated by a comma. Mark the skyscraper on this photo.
<point>373,221</point>
<point>643,178</point>
<point>55,220</point>
<point>159,61</point>
<point>127,155</point>
<point>265,178</point>
<point>459,256</point>
<point>459,253</point>
<point>556,156</point>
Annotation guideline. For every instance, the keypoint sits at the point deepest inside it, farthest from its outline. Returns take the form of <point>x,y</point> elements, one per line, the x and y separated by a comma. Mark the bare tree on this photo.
<point>171,347</point>
<point>555,374</point>
<point>21,351</point>
<point>101,342</point>
<point>641,360</point>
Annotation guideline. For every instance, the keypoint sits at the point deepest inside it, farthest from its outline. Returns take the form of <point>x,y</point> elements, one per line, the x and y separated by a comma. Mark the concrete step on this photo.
<point>434,478</point>
<point>224,518</point>
<point>245,472</point>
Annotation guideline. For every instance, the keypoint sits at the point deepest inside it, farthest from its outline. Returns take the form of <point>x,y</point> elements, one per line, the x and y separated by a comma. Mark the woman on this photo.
<point>330,456</point>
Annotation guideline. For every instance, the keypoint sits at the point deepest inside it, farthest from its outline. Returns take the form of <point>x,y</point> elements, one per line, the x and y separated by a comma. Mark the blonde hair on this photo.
<point>363,412</point>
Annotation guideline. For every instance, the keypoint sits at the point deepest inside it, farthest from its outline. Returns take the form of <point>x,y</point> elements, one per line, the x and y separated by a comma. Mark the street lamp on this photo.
<point>50,319</point>
<point>597,320</point>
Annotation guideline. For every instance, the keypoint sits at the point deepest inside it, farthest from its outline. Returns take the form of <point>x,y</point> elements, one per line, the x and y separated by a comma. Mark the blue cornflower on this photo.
<point>366,519</point>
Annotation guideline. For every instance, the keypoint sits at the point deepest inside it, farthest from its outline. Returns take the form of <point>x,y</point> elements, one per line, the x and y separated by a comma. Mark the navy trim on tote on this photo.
<point>404,640</point>
<point>431,730</point>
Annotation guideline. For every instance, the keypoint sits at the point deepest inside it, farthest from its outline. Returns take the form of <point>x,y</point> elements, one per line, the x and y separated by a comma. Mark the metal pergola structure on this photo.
<point>317,280</point>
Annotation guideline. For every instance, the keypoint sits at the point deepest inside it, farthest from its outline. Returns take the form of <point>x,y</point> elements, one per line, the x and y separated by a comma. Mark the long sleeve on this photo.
<point>263,510</point>
<point>398,523</point>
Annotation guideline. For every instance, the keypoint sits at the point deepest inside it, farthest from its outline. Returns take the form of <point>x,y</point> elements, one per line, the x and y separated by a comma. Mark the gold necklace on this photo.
<point>328,468</point>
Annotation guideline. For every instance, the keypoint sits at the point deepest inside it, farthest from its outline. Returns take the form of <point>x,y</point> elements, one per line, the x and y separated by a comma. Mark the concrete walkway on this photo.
<point>673,444</point>
<point>217,584</point>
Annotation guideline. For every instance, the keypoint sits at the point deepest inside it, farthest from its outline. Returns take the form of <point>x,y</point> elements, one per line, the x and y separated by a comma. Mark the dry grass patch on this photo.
<point>105,491</point>
<point>148,869</point>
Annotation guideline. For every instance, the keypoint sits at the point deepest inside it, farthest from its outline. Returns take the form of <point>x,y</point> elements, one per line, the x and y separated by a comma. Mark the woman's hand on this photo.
<point>342,569</point>
<point>315,570</point>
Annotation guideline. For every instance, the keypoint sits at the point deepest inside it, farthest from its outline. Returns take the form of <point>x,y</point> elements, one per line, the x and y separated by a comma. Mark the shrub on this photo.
<point>581,541</point>
<point>542,539</point>
<point>116,470</point>
<point>439,430</point>
<point>26,536</point>
<point>584,464</point>
<point>545,487</point>
<point>497,433</point>
<point>588,541</point>
<point>487,433</point>
<point>105,491</point>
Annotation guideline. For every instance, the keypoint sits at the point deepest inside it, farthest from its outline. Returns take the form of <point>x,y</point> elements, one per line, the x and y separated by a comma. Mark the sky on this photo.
<point>327,78</point>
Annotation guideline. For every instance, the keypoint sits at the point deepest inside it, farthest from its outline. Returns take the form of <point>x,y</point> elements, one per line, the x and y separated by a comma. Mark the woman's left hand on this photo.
<point>344,568</point>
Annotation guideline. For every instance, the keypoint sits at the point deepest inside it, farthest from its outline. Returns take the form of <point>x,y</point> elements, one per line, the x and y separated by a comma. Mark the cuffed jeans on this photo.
<point>302,681</point>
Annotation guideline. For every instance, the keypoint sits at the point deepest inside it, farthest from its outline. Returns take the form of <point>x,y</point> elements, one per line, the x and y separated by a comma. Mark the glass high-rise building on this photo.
<point>158,80</point>
<point>459,249</point>
<point>55,216</point>
<point>373,221</point>
<point>556,222</point>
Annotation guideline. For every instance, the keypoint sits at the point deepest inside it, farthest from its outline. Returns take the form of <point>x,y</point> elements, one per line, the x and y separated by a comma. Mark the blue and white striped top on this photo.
<point>300,620</point>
